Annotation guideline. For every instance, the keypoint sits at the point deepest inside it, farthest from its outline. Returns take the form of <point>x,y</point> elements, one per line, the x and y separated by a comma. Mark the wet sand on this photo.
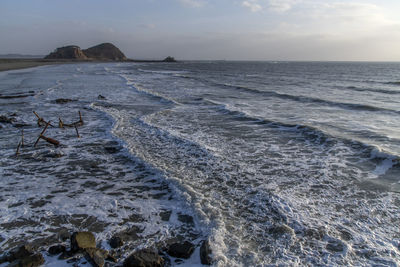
<point>22,63</point>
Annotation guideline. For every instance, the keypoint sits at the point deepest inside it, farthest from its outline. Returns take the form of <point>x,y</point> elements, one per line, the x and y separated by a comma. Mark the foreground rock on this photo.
<point>181,250</point>
<point>82,240</point>
<point>205,253</point>
<point>23,256</point>
<point>144,258</point>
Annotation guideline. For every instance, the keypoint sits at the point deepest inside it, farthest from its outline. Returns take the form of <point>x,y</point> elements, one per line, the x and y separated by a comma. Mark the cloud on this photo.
<point>272,5</point>
<point>192,3</point>
<point>253,5</point>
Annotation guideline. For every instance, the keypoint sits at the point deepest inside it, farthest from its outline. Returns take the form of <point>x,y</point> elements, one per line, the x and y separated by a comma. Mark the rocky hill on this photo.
<point>105,51</point>
<point>67,52</point>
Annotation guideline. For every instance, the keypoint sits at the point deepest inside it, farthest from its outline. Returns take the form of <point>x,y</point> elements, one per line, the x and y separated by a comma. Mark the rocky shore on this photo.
<point>81,248</point>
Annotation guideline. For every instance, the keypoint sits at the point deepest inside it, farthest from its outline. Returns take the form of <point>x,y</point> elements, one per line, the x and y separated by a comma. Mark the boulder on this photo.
<point>96,256</point>
<point>144,258</point>
<point>181,250</point>
<point>116,242</point>
<point>57,249</point>
<point>67,52</point>
<point>105,51</point>
<point>23,256</point>
<point>282,229</point>
<point>82,240</point>
<point>205,253</point>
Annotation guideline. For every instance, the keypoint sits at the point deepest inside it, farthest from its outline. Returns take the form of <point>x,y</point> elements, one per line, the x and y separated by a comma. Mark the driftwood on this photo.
<point>47,139</point>
<point>40,120</point>
<point>17,152</point>
<point>22,137</point>
<point>77,133</point>
<point>61,124</point>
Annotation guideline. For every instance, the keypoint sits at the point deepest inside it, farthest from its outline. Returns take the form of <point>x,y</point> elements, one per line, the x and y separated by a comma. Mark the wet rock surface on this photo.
<point>181,250</point>
<point>23,256</point>
<point>144,258</point>
<point>82,240</point>
<point>205,253</point>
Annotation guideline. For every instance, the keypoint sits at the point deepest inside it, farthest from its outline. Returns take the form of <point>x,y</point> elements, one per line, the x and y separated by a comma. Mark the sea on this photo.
<point>274,163</point>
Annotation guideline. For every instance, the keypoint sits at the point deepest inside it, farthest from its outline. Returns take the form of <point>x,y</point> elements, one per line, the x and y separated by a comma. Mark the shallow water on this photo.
<point>278,163</point>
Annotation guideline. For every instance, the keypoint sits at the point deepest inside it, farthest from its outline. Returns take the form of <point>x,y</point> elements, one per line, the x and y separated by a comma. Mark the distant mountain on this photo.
<point>105,51</point>
<point>20,56</point>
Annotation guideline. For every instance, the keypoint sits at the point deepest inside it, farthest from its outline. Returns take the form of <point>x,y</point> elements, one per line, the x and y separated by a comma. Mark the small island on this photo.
<point>101,52</point>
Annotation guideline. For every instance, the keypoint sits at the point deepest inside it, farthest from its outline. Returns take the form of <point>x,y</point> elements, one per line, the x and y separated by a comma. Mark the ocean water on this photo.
<point>276,163</point>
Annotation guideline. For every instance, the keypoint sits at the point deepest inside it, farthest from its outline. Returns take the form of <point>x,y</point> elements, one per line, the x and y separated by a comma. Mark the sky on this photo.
<point>345,30</point>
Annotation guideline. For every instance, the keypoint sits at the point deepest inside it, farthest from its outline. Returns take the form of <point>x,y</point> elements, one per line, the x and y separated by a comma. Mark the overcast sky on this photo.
<point>208,29</point>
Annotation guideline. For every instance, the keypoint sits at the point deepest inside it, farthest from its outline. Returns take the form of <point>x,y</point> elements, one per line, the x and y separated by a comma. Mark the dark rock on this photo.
<point>64,100</point>
<point>165,215</point>
<point>19,253</point>
<point>185,218</point>
<point>101,97</point>
<point>116,242</point>
<point>112,149</point>
<point>57,249</point>
<point>105,51</point>
<point>33,260</point>
<point>23,256</point>
<point>282,229</point>
<point>5,119</point>
<point>205,252</point>
<point>64,234</point>
<point>335,246</point>
<point>181,250</point>
<point>169,59</point>
<point>144,258</point>
<point>82,240</point>
<point>67,52</point>
<point>96,256</point>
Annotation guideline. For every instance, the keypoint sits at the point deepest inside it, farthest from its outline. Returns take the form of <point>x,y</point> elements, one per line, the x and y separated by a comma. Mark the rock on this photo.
<point>181,250</point>
<point>335,246</point>
<point>169,59</point>
<point>144,258</point>
<point>64,234</point>
<point>205,252</point>
<point>5,119</point>
<point>66,255</point>
<point>63,100</point>
<point>67,52</point>
<point>116,242</point>
<point>282,229</point>
<point>105,51</point>
<point>101,97</point>
<point>57,249</point>
<point>185,219</point>
<point>96,256</point>
<point>24,256</point>
<point>165,215</point>
<point>82,240</point>
<point>28,261</point>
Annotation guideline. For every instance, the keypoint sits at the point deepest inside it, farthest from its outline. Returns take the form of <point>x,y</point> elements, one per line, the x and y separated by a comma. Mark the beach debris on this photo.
<point>17,152</point>
<point>62,124</point>
<point>47,139</point>
<point>22,137</point>
<point>40,120</point>
<point>144,257</point>
<point>77,133</point>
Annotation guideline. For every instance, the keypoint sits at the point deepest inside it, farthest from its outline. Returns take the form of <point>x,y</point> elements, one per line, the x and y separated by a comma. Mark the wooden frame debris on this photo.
<point>47,139</point>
